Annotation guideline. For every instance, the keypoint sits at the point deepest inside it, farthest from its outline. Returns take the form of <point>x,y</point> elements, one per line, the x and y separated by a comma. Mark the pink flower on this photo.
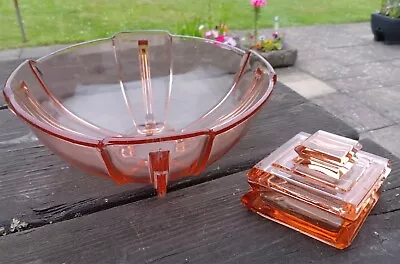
<point>220,38</point>
<point>275,35</point>
<point>258,3</point>
<point>230,41</point>
<point>214,33</point>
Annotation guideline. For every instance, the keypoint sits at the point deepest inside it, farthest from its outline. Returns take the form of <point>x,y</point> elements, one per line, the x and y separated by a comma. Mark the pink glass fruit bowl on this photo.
<point>141,106</point>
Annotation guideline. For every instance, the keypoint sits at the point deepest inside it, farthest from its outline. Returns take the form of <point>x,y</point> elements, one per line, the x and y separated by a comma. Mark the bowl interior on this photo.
<point>141,84</point>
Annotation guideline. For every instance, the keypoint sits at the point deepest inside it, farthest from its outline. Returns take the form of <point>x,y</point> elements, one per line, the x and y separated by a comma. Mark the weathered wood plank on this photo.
<point>36,187</point>
<point>205,223</point>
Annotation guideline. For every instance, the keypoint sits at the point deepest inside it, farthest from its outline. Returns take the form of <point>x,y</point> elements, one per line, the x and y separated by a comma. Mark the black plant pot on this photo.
<point>385,28</point>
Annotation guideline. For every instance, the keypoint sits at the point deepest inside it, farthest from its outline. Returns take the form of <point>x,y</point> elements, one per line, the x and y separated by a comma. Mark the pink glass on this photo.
<point>322,185</point>
<point>141,106</point>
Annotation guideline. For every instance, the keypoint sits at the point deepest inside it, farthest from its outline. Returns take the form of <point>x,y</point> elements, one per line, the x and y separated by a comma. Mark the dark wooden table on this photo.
<point>53,213</point>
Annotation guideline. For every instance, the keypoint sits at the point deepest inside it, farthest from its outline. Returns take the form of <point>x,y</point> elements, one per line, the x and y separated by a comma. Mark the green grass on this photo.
<point>70,21</point>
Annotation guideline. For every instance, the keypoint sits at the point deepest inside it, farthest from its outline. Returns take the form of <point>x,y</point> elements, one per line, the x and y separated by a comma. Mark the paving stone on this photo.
<point>12,54</point>
<point>353,54</point>
<point>34,53</point>
<point>307,86</point>
<point>384,71</point>
<point>384,101</point>
<point>315,54</point>
<point>301,38</point>
<point>329,36</point>
<point>387,137</point>
<point>359,83</point>
<point>291,74</point>
<point>396,63</point>
<point>385,52</point>
<point>325,69</point>
<point>358,54</point>
<point>331,39</point>
<point>361,30</point>
<point>370,76</point>
<point>37,52</point>
<point>353,112</point>
<point>312,38</point>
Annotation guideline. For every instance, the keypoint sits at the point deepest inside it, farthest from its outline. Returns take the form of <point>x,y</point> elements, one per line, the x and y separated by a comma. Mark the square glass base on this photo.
<point>305,218</point>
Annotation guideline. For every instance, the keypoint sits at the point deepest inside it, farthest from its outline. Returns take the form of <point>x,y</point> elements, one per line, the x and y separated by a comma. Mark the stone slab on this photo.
<point>307,86</point>
<point>361,54</point>
<point>37,52</point>
<point>355,84</point>
<point>385,52</point>
<point>327,69</point>
<point>350,55</point>
<point>396,62</point>
<point>314,54</point>
<point>384,101</point>
<point>315,38</point>
<point>387,137</point>
<point>329,36</point>
<point>291,74</point>
<point>352,111</point>
<point>287,71</point>
<point>384,71</point>
<point>11,54</point>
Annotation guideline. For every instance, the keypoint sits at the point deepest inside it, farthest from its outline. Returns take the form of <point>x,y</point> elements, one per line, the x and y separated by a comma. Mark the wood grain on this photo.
<point>205,223</point>
<point>37,188</point>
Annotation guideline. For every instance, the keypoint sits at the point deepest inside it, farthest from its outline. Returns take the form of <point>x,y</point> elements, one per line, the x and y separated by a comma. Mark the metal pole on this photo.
<point>21,24</point>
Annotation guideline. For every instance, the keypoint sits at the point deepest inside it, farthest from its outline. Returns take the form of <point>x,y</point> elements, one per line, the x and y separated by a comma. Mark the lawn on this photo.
<point>69,21</point>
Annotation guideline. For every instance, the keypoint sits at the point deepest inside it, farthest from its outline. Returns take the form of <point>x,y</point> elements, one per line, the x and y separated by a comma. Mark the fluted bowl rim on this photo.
<point>142,139</point>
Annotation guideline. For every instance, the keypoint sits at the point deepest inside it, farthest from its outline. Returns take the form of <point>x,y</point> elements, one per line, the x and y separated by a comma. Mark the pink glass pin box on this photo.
<point>144,107</point>
<point>322,185</point>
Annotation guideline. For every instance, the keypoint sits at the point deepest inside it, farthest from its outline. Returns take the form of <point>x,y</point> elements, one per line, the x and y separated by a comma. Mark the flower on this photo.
<point>230,41</point>
<point>214,33</point>
<point>251,36</point>
<point>220,38</point>
<point>275,35</point>
<point>258,3</point>
<point>201,27</point>
<point>224,28</point>
<point>219,34</point>
<point>258,45</point>
<point>211,33</point>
